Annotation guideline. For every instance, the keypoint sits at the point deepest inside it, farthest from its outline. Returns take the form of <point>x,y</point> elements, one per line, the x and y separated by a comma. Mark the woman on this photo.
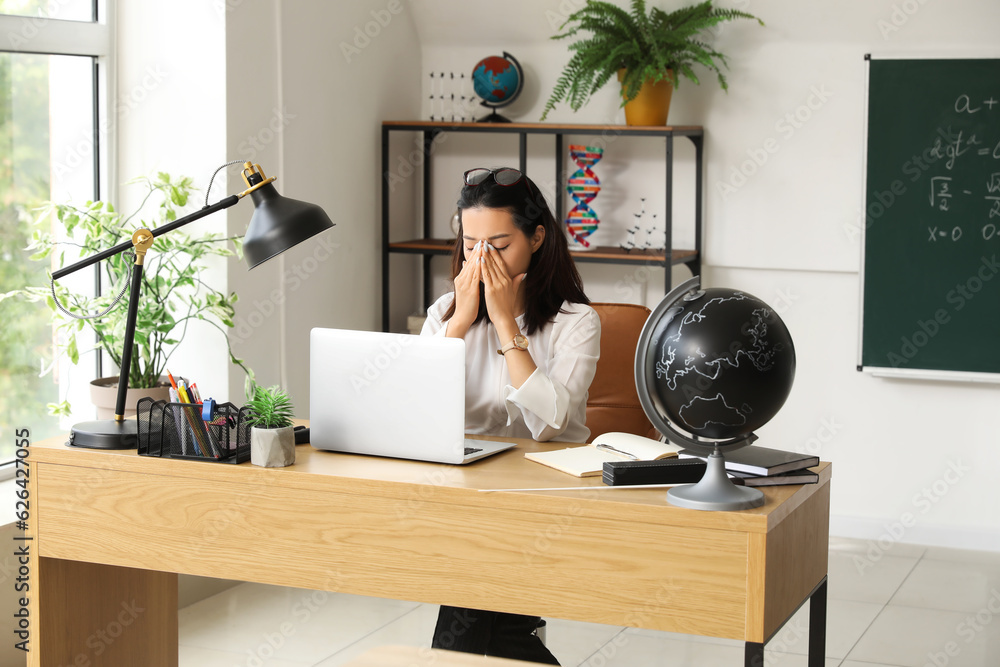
<point>532,344</point>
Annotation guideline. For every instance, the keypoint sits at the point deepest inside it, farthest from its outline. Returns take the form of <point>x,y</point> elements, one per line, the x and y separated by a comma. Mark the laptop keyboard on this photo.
<point>472,450</point>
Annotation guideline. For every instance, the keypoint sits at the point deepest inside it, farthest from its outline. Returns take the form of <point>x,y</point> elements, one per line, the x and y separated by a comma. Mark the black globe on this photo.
<point>718,364</point>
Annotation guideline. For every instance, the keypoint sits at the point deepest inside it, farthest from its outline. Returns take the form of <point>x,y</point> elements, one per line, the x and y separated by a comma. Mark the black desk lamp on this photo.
<point>278,223</point>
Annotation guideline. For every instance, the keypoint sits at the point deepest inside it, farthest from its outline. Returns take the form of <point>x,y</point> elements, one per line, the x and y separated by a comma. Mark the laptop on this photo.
<point>395,395</point>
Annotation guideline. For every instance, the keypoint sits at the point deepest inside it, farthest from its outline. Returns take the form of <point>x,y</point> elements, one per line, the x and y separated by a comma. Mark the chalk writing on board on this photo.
<point>956,148</point>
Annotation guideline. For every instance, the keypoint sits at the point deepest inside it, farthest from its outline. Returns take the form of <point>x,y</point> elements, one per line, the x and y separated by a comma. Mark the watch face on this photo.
<point>520,342</point>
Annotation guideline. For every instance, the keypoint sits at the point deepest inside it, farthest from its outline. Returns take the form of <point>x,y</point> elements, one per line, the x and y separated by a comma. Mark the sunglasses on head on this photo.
<point>502,176</point>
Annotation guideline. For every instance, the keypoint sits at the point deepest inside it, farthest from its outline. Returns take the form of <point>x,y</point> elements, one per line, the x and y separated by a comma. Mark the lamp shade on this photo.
<point>278,223</point>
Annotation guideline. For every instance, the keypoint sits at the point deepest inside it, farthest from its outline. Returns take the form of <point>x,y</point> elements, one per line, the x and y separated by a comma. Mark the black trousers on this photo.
<point>490,633</point>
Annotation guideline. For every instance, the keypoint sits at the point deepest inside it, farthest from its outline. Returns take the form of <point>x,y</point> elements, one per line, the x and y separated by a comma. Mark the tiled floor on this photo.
<point>904,606</point>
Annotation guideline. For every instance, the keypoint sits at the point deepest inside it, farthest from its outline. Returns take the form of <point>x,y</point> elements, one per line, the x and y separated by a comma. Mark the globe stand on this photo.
<point>715,491</point>
<point>493,117</point>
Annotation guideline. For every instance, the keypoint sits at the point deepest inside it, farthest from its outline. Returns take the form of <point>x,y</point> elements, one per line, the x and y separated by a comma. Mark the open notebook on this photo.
<point>588,460</point>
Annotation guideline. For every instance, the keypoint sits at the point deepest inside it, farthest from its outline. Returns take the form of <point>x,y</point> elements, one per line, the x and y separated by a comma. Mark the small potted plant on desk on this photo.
<point>272,438</point>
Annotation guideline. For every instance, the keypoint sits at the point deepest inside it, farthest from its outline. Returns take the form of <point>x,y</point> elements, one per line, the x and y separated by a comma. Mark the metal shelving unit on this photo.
<point>428,247</point>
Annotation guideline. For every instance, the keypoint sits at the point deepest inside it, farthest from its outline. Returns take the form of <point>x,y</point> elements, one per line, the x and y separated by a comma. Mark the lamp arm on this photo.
<point>141,242</point>
<point>159,231</point>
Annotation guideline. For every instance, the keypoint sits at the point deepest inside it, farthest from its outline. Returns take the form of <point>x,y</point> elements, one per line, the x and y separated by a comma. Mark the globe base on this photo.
<point>715,492</point>
<point>494,118</point>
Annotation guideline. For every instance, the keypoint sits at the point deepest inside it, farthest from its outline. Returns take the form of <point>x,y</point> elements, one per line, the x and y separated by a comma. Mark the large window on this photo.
<point>54,69</point>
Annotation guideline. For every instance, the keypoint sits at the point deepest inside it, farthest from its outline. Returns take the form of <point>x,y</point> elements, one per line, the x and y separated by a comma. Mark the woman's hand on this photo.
<point>503,303</point>
<point>502,299</point>
<point>467,294</point>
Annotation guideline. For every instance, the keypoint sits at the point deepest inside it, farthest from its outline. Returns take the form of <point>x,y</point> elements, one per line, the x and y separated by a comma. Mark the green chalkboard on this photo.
<point>931,266</point>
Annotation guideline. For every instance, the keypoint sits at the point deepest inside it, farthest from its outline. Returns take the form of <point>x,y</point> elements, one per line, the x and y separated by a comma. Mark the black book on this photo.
<point>804,476</point>
<point>762,461</point>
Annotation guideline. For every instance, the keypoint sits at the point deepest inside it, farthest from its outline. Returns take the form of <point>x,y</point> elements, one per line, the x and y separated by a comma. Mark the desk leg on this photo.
<point>753,655</point>
<point>817,626</point>
<point>89,614</point>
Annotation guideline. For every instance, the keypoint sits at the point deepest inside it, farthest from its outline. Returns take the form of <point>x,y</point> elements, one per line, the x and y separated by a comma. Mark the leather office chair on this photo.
<point>613,403</point>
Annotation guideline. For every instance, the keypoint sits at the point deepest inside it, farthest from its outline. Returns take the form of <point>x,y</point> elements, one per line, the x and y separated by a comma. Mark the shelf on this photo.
<point>605,254</point>
<point>427,247</point>
<point>547,128</point>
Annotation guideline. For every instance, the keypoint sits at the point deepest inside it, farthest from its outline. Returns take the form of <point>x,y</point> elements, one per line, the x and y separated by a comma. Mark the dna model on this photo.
<point>583,185</point>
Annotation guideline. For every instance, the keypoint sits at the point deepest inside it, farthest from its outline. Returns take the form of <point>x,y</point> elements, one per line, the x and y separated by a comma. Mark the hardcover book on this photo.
<point>762,461</point>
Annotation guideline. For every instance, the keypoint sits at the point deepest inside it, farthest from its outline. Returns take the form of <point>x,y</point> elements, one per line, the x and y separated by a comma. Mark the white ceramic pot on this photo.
<point>104,394</point>
<point>272,447</point>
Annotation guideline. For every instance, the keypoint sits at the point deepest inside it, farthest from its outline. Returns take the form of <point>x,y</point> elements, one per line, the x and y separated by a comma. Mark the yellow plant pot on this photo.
<point>651,105</point>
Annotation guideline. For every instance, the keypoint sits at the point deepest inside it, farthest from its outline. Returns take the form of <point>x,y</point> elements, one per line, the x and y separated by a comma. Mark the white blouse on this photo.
<point>552,402</point>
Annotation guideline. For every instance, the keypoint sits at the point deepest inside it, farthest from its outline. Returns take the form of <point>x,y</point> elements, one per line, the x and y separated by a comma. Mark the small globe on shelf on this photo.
<point>712,366</point>
<point>498,81</point>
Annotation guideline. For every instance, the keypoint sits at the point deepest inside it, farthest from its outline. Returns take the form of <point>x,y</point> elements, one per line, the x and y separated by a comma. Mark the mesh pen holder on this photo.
<point>177,431</point>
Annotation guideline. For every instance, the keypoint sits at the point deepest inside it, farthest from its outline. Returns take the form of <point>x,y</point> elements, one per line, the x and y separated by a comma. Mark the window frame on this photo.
<point>96,40</point>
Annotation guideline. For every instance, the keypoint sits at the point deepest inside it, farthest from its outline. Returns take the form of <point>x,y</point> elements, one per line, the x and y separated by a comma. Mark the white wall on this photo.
<point>333,72</point>
<point>170,115</point>
<point>910,458</point>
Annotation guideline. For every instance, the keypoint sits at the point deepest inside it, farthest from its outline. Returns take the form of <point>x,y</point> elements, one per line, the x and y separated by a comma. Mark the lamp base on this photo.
<point>715,491</point>
<point>105,434</point>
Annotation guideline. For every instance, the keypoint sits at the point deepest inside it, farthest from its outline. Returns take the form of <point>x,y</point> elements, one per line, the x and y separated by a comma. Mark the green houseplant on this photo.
<point>639,47</point>
<point>172,295</point>
<point>272,439</point>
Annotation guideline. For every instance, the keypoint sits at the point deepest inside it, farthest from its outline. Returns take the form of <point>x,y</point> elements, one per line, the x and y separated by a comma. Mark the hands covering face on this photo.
<point>484,265</point>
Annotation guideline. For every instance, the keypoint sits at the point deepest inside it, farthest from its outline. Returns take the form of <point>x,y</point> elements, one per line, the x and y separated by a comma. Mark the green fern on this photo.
<point>650,46</point>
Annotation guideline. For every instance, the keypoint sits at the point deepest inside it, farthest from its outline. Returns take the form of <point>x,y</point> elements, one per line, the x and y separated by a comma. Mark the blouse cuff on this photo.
<point>539,396</point>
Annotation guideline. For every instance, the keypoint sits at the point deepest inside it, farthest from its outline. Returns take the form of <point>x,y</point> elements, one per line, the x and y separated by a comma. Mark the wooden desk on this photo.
<point>111,530</point>
<point>411,656</point>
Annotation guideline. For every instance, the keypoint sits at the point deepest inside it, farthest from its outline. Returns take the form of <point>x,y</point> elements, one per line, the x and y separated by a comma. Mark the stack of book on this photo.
<point>762,466</point>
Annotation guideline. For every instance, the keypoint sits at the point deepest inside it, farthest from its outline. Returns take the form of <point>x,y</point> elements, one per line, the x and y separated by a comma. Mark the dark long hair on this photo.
<point>552,276</point>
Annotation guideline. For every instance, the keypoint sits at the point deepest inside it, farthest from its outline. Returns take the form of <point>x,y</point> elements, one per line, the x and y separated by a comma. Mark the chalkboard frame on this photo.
<point>865,361</point>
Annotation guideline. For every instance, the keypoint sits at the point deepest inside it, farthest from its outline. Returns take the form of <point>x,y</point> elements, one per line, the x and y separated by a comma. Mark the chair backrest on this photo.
<point>613,403</point>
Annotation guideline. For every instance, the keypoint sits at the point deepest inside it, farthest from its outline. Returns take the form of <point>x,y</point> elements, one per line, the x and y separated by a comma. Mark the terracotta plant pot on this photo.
<point>651,105</point>
<point>272,447</point>
<point>104,394</point>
